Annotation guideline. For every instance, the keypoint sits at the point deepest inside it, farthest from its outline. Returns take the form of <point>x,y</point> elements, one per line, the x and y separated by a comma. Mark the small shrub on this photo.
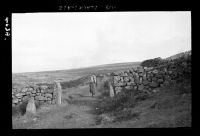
<point>123,99</point>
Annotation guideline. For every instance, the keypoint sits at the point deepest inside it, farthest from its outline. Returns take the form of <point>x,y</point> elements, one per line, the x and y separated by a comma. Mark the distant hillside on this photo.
<point>76,74</point>
<point>159,61</point>
<point>72,74</point>
<point>179,55</point>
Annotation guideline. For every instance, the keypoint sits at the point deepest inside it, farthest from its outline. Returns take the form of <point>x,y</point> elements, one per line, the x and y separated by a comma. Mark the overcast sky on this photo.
<point>59,41</point>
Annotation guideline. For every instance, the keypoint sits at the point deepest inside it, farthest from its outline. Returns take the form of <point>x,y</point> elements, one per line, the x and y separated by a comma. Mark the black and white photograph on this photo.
<point>125,69</point>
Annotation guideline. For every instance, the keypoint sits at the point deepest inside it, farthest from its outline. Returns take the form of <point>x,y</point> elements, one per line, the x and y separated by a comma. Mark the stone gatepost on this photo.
<point>31,108</point>
<point>59,93</point>
<point>111,90</point>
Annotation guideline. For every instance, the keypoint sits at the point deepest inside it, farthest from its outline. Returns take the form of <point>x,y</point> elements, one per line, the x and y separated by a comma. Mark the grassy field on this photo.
<point>67,75</point>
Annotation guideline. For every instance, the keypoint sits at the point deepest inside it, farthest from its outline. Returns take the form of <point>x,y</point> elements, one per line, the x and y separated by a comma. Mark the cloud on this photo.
<point>42,41</point>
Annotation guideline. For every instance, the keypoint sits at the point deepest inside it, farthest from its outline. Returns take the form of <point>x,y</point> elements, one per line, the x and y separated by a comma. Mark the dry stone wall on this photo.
<point>147,79</point>
<point>43,93</point>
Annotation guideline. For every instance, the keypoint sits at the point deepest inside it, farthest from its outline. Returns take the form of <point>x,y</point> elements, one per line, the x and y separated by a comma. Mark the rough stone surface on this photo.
<point>20,95</point>
<point>150,78</point>
<point>48,95</point>
<point>154,84</point>
<point>140,87</point>
<point>129,87</point>
<point>31,108</point>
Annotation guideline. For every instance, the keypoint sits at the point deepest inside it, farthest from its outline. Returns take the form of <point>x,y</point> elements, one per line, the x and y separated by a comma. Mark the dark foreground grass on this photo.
<point>170,107</point>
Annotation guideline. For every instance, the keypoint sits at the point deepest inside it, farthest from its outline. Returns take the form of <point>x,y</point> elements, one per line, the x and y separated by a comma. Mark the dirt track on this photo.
<point>75,112</point>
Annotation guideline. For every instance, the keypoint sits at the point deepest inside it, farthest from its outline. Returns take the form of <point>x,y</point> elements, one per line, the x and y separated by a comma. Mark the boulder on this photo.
<point>30,89</point>
<point>145,82</point>
<point>48,95</point>
<point>33,91</point>
<point>154,79</point>
<point>129,87</point>
<point>24,90</point>
<point>136,75</point>
<point>134,69</point>
<point>15,101</point>
<point>167,78</point>
<point>160,81</point>
<point>137,80</point>
<point>49,90</point>
<point>140,87</point>
<point>40,98</point>
<point>38,94</point>
<point>154,84</point>
<point>38,90</point>
<point>131,83</point>
<point>166,83</point>
<point>28,93</point>
<point>19,95</point>
<point>116,78</point>
<point>118,88</point>
<point>145,90</point>
<point>43,87</point>
<point>161,85</point>
<point>126,79</point>
<point>120,84</point>
<point>155,71</point>
<point>170,72</point>
<point>149,79</point>
<point>32,95</point>
<point>132,79</point>
<point>155,90</point>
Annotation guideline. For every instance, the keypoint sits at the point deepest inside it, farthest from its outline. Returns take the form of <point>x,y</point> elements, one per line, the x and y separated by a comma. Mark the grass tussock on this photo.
<point>121,100</point>
<point>170,107</point>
